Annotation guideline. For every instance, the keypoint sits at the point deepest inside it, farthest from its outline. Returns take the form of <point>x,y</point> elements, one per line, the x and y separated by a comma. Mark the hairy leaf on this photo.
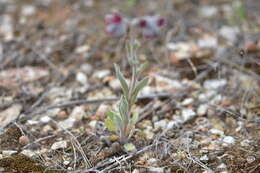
<point>123,108</point>
<point>138,88</point>
<point>122,80</point>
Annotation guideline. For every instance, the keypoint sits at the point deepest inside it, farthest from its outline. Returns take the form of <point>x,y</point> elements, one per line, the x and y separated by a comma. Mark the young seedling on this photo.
<point>123,121</point>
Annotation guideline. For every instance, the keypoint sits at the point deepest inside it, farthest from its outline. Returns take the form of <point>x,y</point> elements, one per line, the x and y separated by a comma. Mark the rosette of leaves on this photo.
<point>123,121</point>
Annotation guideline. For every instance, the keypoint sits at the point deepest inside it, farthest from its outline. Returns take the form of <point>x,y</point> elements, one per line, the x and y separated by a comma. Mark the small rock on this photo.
<point>187,101</point>
<point>229,33</point>
<point>24,140</point>
<point>45,119</point>
<point>62,115</point>
<point>102,111</point>
<point>156,170</point>
<point>47,128</point>
<point>66,162</point>
<point>32,122</point>
<point>115,84</point>
<point>82,49</point>
<point>135,171</point>
<point>67,124</point>
<point>93,124</point>
<point>250,159</point>
<point>227,140</point>
<point>216,132</point>
<point>160,124</point>
<point>100,74</point>
<point>116,147</point>
<point>78,113</point>
<point>171,124</point>
<point>7,153</point>
<point>28,10</point>
<point>208,11</point>
<point>205,97</point>
<point>86,68</point>
<point>28,153</point>
<point>59,145</point>
<point>187,114</point>
<point>214,84</point>
<point>222,166</point>
<point>208,42</point>
<point>204,158</point>
<point>82,78</point>
<point>202,109</point>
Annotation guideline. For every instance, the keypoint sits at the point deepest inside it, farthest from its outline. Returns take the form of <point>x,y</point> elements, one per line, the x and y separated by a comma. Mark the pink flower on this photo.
<point>116,25</point>
<point>151,26</point>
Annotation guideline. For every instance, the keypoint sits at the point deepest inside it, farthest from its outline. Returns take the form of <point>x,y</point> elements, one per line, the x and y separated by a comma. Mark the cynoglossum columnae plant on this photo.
<point>118,25</point>
<point>123,120</point>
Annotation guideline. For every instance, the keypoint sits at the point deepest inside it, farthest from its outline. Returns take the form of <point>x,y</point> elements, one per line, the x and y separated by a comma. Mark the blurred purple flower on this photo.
<point>116,25</point>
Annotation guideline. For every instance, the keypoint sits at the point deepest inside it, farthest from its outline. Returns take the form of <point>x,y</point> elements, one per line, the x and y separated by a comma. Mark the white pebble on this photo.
<point>81,78</point>
<point>215,83</point>
<point>216,132</point>
<point>187,101</point>
<point>59,145</point>
<point>202,109</point>
<point>228,140</point>
<point>187,114</point>
<point>160,124</point>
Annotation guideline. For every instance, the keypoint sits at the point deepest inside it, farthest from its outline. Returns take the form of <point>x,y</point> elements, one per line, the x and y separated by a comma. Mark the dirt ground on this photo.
<point>199,113</point>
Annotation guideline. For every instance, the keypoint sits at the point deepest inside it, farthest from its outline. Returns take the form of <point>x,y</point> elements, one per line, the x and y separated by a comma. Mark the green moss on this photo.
<point>21,163</point>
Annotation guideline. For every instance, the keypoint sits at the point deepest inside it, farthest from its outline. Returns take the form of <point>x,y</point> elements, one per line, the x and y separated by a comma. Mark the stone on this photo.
<point>24,140</point>
<point>67,124</point>
<point>187,101</point>
<point>222,166</point>
<point>187,114</point>
<point>28,153</point>
<point>135,171</point>
<point>101,112</point>
<point>229,33</point>
<point>100,74</point>
<point>214,83</point>
<point>208,11</point>
<point>86,68</point>
<point>216,132</point>
<point>78,113</point>
<point>156,170</point>
<point>228,140</point>
<point>202,109</point>
<point>59,145</point>
<point>81,78</point>
<point>28,10</point>
<point>208,42</point>
<point>160,124</point>
<point>45,119</point>
<point>7,153</point>
<point>93,124</point>
<point>204,158</point>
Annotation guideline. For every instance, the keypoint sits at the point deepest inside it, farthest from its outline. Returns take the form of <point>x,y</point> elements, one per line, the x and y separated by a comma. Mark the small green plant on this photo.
<point>123,120</point>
